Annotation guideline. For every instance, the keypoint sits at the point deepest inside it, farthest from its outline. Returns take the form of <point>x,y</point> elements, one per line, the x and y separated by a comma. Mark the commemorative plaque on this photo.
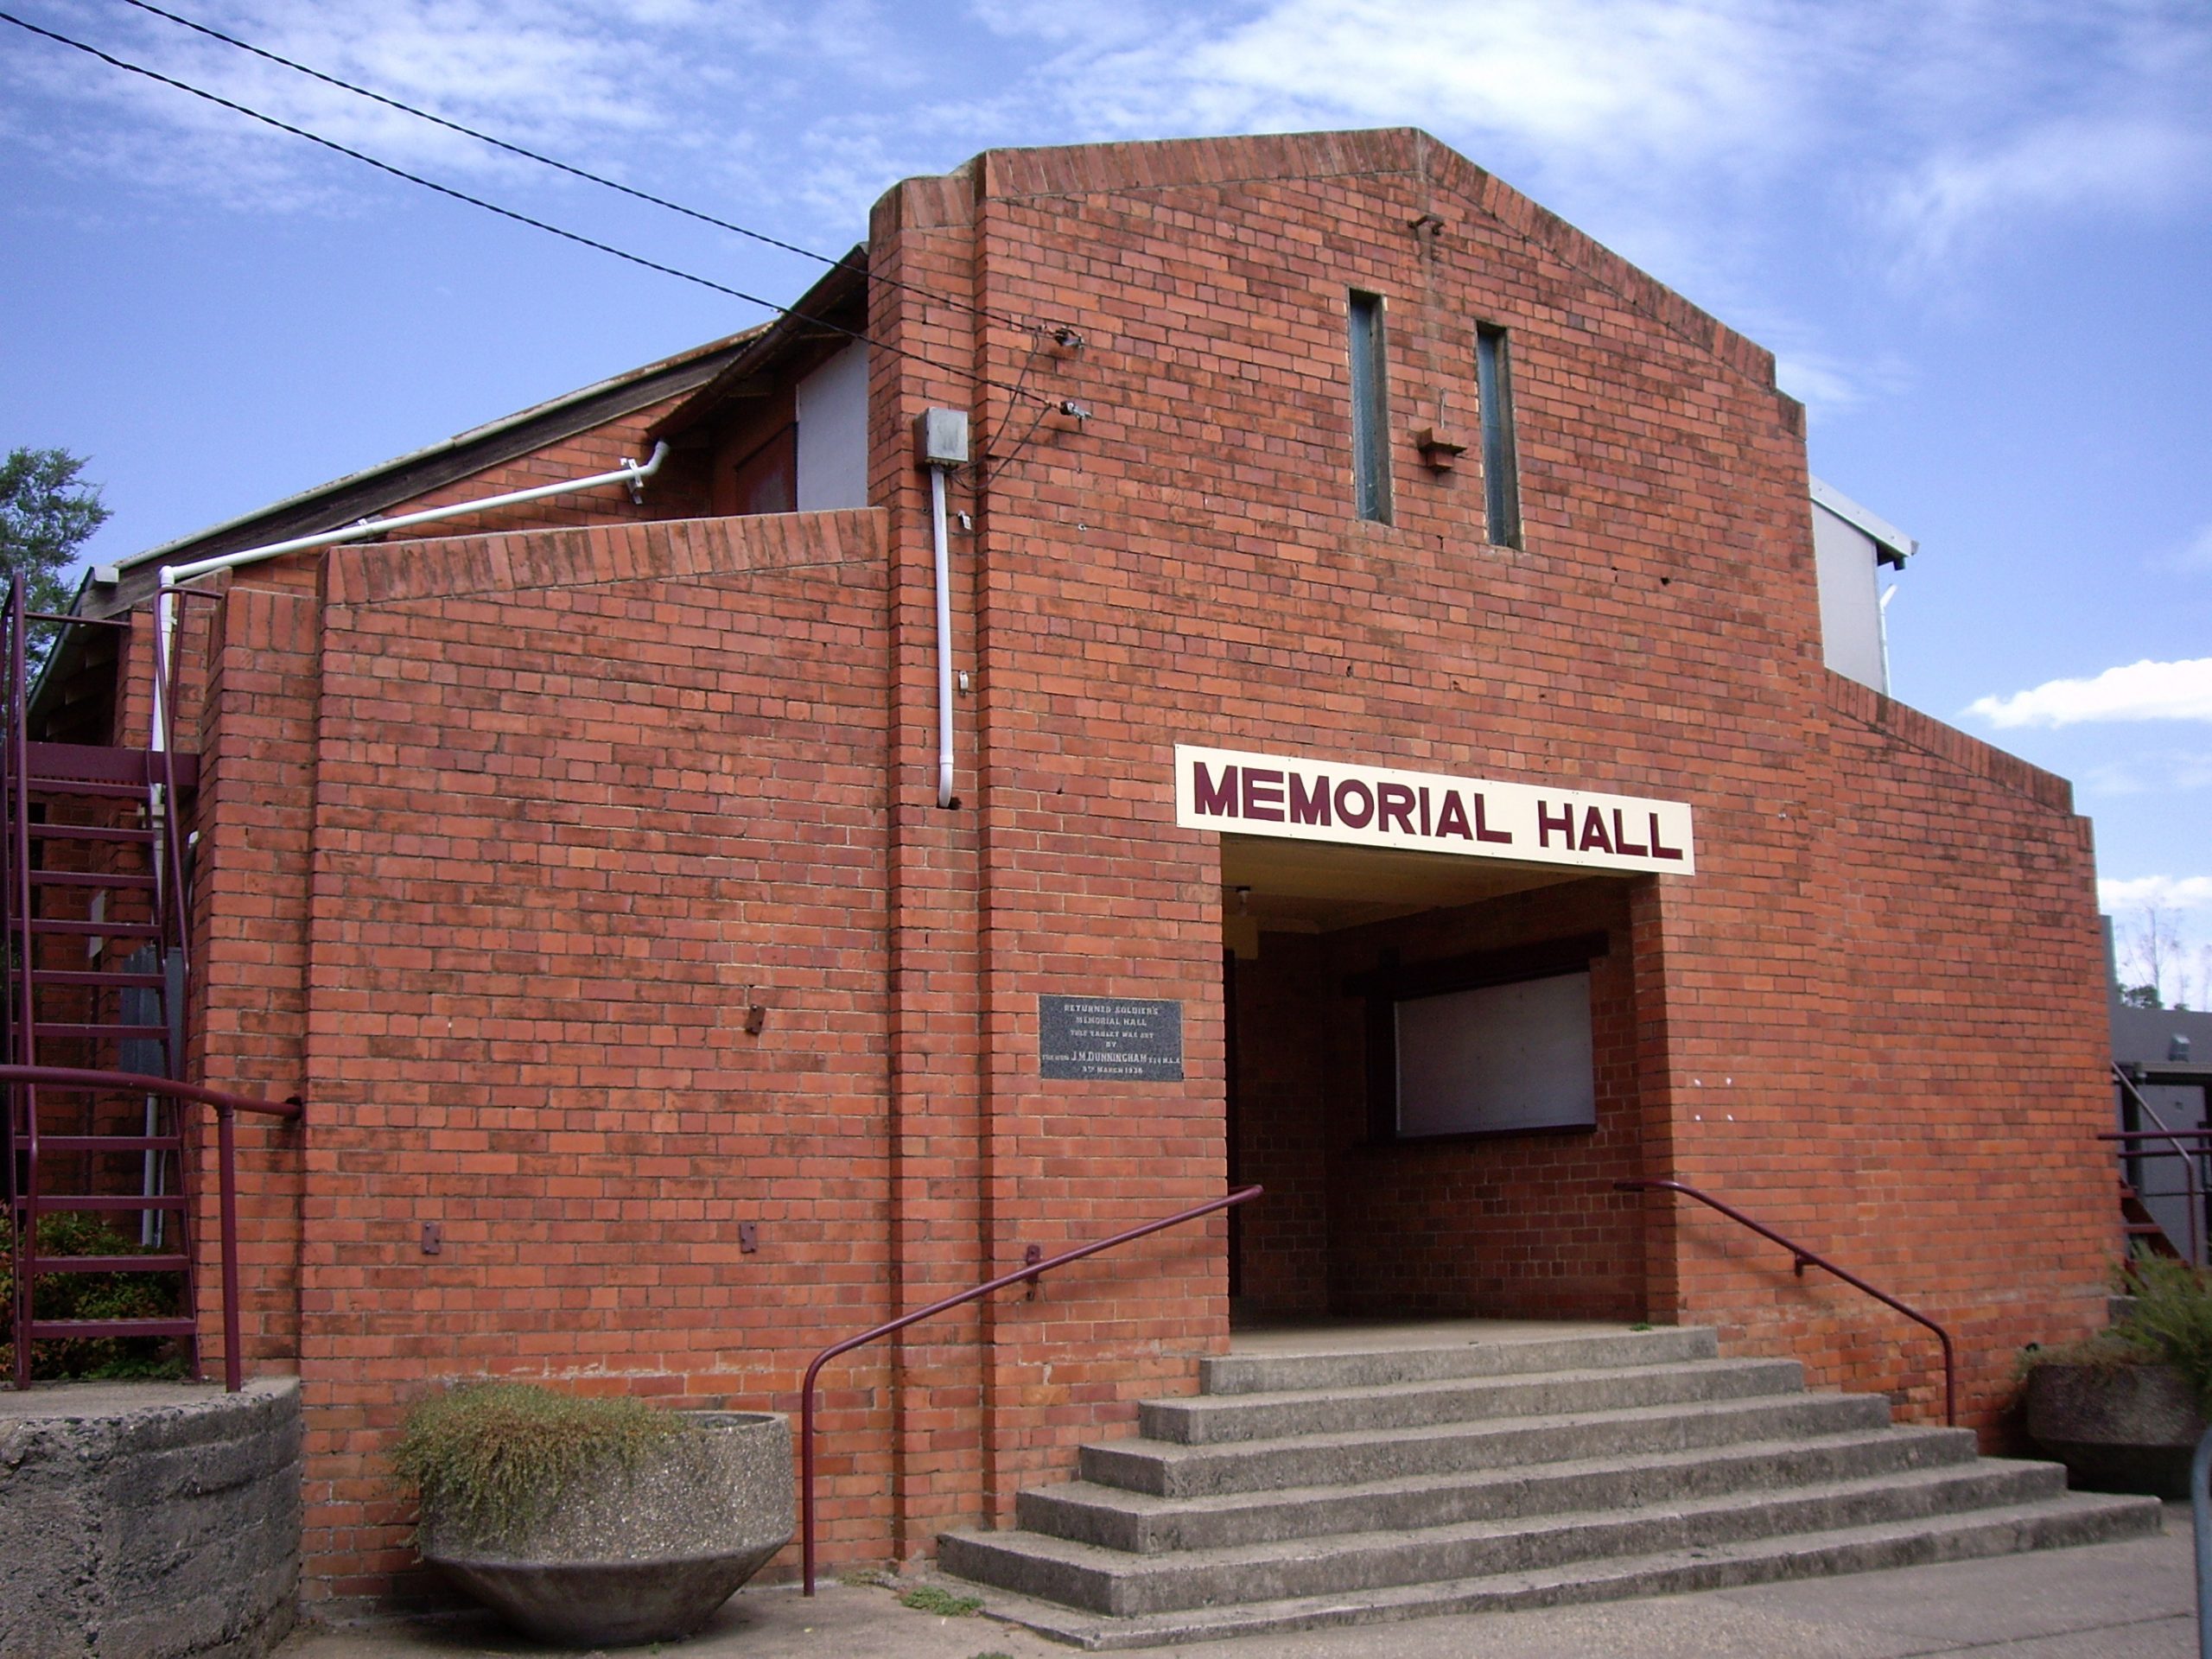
<point>1133,1039</point>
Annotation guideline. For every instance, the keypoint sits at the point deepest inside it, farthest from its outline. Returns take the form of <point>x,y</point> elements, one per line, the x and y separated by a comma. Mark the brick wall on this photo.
<point>1287,1120</point>
<point>534,820</point>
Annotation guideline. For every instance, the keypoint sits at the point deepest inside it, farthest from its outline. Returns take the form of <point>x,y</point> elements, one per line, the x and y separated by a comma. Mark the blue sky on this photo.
<point>1978,236</point>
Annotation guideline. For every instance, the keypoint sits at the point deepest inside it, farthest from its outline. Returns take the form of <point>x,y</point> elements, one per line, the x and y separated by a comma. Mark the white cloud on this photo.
<point>2165,891</point>
<point>588,82</point>
<point>1818,380</point>
<point>2197,555</point>
<point>1964,194</point>
<point>2144,690</point>
<point>1069,22</point>
<point>2163,774</point>
<point>2113,779</point>
<point>1618,83</point>
<point>1827,384</point>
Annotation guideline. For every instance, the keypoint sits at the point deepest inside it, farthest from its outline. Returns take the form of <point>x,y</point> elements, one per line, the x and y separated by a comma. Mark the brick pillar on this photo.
<point>1089,889</point>
<point>921,236</point>
<point>249,899</point>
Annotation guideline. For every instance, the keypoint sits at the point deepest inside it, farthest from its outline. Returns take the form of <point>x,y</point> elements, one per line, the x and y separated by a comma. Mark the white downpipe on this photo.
<point>171,575</point>
<point>945,796</point>
<point>1882,632</point>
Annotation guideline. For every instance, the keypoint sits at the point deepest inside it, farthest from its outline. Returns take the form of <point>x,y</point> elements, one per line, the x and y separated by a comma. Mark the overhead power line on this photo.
<point>584,174</point>
<point>448,190</point>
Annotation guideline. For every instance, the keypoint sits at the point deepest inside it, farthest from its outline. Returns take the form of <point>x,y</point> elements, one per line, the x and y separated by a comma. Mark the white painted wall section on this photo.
<point>832,414</point>
<point>1850,546</point>
<point>1851,613</point>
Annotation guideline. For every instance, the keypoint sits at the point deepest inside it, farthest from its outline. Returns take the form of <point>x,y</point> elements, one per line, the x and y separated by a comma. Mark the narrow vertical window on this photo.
<point>1494,387</point>
<point>1370,425</point>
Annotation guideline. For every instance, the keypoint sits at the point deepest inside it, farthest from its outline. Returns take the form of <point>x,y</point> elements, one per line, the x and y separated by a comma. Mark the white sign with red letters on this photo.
<point>1305,799</point>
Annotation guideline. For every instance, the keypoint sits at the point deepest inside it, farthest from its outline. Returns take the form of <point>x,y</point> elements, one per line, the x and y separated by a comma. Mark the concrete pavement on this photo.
<point>2135,1600</point>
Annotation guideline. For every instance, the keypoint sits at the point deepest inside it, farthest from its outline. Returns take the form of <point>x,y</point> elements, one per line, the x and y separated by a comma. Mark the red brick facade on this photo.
<point>502,834</point>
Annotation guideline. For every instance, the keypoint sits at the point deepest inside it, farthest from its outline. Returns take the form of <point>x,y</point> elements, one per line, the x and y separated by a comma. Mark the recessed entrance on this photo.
<point>1432,1070</point>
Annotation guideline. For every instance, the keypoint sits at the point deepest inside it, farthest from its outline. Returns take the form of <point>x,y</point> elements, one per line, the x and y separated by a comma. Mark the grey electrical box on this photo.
<point>942,434</point>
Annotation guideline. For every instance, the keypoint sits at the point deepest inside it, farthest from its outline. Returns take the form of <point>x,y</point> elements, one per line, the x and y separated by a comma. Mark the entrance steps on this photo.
<point>1297,1491</point>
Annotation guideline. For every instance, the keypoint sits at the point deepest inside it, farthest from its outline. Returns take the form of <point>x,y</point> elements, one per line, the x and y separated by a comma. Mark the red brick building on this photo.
<point>585,867</point>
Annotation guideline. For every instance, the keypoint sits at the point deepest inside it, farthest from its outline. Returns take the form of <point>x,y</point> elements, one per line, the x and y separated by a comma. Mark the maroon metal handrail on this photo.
<point>20,1015</point>
<point>1028,1274</point>
<point>1806,1258</point>
<point>228,1106</point>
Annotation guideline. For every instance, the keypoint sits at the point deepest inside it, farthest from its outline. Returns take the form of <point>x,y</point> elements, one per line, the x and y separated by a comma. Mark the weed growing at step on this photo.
<point>928,1599</point>
<point>493,1458</point>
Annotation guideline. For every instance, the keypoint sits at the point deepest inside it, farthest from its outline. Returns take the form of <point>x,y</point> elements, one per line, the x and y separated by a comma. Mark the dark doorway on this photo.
<point>1432,1068</point>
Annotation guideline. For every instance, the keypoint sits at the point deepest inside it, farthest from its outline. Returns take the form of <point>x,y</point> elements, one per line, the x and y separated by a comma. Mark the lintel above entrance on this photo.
<point>1304,799</point>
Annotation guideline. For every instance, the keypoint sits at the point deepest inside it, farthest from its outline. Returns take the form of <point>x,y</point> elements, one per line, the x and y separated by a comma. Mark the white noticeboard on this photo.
<point>1495,1059</point>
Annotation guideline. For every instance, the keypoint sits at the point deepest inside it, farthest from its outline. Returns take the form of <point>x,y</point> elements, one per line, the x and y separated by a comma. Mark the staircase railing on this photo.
<point>1029,1273</point>
<point>228,1106</point>
<point>2132,1151</point>
<point>1805,1258</point>
<point>21,1074</point>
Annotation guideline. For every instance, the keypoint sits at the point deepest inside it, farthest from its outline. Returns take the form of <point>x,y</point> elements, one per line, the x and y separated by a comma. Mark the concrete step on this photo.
<point>1124,1587</point>
<point>1170,1470</point>
<point>1373,1367</point>
<point>1139,1523</point>
<point>1212,1419</point>
<point>2055,1522</point>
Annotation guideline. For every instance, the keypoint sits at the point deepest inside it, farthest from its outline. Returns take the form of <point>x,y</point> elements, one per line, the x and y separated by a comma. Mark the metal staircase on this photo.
<point>2152,1150</point>
<point>97,1165</point>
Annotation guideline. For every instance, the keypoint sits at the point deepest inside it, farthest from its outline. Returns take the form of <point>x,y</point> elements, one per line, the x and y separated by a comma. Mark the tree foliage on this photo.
<point>46,513</point>
<point>2154,951</point>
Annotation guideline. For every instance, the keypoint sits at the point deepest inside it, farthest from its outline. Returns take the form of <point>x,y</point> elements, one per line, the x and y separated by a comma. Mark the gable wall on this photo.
<point>1185,564</point>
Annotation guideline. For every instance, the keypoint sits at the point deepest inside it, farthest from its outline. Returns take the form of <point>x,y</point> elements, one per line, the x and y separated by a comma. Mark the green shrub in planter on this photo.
<point>2170,1323</point>
<point>596,1522</point>
<point>2124,1408</point>
<point>2172,1318</point>
<point>492,1459</point>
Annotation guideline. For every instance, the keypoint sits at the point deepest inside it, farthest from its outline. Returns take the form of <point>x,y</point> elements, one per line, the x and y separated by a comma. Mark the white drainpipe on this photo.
<point>632,474</point>
<point>945,795</point>
<point>942,437</point>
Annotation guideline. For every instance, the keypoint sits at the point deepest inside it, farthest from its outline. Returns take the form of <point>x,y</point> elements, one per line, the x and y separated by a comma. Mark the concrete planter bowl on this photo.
<point>647,1553</point>
<point>2116,1428</point>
